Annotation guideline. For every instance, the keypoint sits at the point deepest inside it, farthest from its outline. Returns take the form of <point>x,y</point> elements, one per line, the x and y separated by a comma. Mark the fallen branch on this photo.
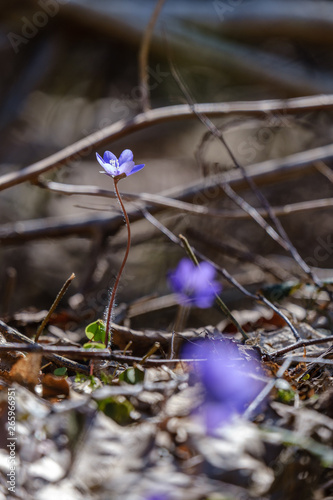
<point>84,147</point>
<point>263,173</point>
<point>297,345</point>
<point>11,334</point>
<point>53,353</point>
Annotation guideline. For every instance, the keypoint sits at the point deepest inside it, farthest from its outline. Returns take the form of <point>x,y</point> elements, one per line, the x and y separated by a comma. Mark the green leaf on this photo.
<point>106,378</point>
<point>96,331</point>
<point>280,291</point>
<point>286,396</point>
<point>94,345</point>
<point>132,375</point>
<point>117,408</point>
<point>80,378</point>
<point>60,372</point>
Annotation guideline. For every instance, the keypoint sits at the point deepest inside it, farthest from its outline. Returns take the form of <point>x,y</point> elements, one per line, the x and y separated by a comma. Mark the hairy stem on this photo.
<point>113,295</point>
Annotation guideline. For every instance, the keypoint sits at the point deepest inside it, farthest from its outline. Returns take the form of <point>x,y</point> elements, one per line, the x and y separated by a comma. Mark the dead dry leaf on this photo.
<point>26,370</point>
<point>54,386</point>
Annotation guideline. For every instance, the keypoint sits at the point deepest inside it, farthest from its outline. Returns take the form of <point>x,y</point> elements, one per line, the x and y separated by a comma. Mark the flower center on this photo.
<point>114,163</point>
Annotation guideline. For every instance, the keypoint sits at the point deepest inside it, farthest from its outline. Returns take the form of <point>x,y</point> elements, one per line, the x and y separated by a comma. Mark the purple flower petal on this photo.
<point>108,157</point>
<point>194,284</point>
<point>126,167</point>
<point>110,169</point>
<point>204,301</point>
<point>114,167</point>
<point>214,413</point>
<point>182,273</point>
<point>206,271</point>
<point>100,160</point>
<point>185,269</point>
<point>136,169</point>
<point>125,156</point>
<point>207,296</point>
<point>225,376</point>
<point>158,496</point>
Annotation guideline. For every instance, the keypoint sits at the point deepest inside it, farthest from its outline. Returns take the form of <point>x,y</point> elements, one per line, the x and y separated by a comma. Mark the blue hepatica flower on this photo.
<point>114,166</point>
<point>194,285</point>
<point>225,377</point>
<point>158,496</point>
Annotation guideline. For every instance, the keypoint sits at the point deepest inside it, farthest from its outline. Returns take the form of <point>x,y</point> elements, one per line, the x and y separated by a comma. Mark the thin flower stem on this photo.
<point>180,322</point>
<point>181,318</point>
<point>113,295</point>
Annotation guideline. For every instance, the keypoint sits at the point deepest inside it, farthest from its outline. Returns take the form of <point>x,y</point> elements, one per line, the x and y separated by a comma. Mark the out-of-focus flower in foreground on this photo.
<point>158,496</point>
<point>226,379</point>
<point>114,166</point>
<point>194,285</point>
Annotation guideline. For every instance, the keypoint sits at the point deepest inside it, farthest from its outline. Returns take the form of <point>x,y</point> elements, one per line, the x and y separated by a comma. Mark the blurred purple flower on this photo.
<point>193,284</point>
<point>114,167</point>
<point>228,388</point>
<point>158,496</point>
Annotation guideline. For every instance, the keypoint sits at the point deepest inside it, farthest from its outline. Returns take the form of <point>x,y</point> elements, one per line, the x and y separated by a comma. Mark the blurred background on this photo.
<point>70,68</point>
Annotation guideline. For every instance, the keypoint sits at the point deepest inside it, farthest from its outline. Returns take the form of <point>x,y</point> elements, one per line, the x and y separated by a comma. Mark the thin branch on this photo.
<point>84,147</point>
<point>241,254</point>
<point>51,352</point>
<point>312,367</point>
<point>167,202</point>
<point>54,305</point>
<point>266,389</point>
<point>169,234</point>
<point>297,345</point>
<point>143,55</point>
<point>324,170</point>
<point>14,335</point>
<point>224,273</point>
<point>254,214</point>
<point>281,237</point>
<point>155,199</point>
<point>268,171</point>
<point>310,359</point>
<point>23,343</point>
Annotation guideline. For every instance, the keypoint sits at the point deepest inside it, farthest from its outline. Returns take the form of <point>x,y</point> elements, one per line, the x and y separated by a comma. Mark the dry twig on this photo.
<point>84,147</point>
